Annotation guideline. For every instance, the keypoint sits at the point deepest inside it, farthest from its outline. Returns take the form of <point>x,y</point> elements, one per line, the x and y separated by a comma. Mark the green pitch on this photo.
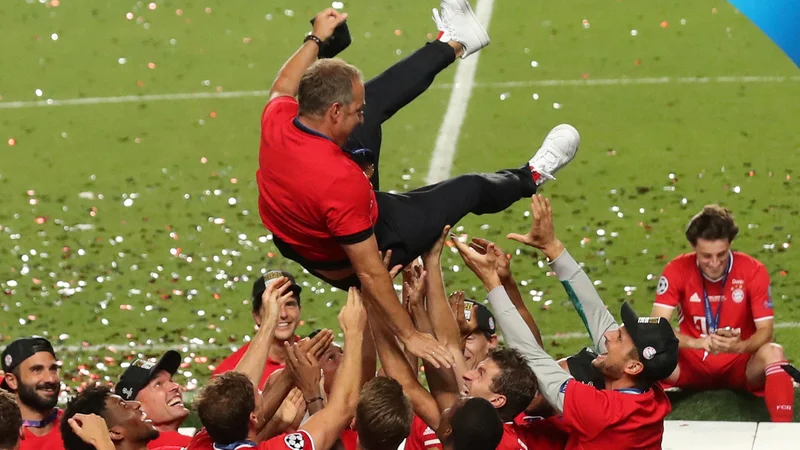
<point>134,223</point>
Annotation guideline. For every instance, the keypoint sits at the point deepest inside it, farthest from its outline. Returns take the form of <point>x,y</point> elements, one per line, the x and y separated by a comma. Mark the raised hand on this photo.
<point>484,266</point>
<point>92,429</point>
<point>318,345</point>
<point>387,259</point>
<point>542,233</point>
<point>502,261</point>
<point>276,293</point>
<point>305,370</point>
<point>434,254</point>
<point>353,316</point>
<point>458,306</point>
<point>326,22</point>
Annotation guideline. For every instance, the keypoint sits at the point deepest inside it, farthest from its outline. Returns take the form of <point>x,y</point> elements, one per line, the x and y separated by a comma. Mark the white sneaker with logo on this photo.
<point>457,22</point>
<point>557,150</point>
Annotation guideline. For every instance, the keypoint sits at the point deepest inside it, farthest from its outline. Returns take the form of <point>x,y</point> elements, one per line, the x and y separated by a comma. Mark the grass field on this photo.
<point>129,226</point>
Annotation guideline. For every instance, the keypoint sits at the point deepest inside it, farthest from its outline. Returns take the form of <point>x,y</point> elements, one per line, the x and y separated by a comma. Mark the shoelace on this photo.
<point>443,25</point>
<point>544,174</point>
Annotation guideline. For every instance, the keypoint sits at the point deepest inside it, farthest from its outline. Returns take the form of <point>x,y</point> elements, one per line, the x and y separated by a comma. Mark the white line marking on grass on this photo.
<point>765,79</point>
<point>164,347</point>
<point>447,139</point>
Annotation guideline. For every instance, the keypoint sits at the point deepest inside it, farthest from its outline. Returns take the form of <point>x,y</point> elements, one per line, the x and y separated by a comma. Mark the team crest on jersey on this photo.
<point>738,295</point>
<point>295,441</point>
<point>663,285</point>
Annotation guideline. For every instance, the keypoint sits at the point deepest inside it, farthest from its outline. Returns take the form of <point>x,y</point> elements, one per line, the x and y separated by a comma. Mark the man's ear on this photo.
<point>11,381</point>
<point>257,318</point>
<point>633,367</point>
<point>117,434</point>
<point>498,401</point>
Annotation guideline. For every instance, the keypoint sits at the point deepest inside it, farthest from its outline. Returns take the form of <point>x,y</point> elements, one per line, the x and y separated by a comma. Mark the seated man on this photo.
<point>726,317</point>
<point>629,413</point>
<point>320,206</point>
<point>160,397</point>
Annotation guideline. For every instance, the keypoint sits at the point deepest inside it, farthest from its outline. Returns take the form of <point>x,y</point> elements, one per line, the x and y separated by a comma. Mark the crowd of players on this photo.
<point>284,391</point>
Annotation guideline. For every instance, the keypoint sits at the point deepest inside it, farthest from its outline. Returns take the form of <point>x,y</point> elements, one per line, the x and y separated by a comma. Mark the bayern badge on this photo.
<point>738,295</point>
<point>648,353</point>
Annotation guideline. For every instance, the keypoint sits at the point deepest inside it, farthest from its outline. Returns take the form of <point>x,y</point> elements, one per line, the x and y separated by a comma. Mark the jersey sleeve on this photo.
<point>299,440</point>
<point>587,410</point>
<point>347,208</point>
<point>670,286</point>
<point>760,295</point>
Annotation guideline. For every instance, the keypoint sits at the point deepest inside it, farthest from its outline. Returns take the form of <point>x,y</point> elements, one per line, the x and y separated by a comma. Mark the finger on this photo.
<point>387,257</point>
<point>445,357</point>
<point>395,270</point>
<point>445,232</point>
<point>75,425</point>
<point>431,358</point>
<point>478,248</point>
<point>474,314</point>
<point>423,277</point>
<point>516,237</point>
<point>284,286</point>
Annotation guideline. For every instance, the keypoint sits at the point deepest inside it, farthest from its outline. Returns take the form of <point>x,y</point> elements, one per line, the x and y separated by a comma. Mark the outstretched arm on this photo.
<point>579,287</point>
<point>288,80</point>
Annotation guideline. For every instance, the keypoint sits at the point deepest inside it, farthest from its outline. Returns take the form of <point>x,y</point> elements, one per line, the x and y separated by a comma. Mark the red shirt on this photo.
<point>609,419</point>
<point>541,434</point>
<point>349,439</point>
<point>230,363</point>
<point>169,439</point>
<point>746,298</point>
<point>311,195</point>
<point>50,441</point>
<point>422,437</point>
<point>299,440</point>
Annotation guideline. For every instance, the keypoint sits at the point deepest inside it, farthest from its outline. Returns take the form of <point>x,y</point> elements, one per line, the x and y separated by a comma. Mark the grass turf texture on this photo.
<point>163,250</point>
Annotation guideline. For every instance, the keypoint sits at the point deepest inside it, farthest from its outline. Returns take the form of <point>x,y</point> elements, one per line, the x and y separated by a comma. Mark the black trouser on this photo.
<point>393,89</point>
<point>410,223</point>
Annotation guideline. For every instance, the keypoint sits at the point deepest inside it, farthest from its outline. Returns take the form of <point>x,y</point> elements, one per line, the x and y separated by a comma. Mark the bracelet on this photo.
<point>308,402</point>
<point>317,40</point>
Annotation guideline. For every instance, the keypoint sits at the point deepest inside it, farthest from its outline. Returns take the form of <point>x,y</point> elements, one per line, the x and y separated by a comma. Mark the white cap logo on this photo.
<point>649,353</point>
<point>8,360</point>
<point>128,393</point>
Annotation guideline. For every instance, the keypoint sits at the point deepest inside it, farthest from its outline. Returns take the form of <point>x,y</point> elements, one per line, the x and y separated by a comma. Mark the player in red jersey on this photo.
<point>228,404</point>
<point>128,427</point>
<point>151,384</point>
<point>629,412</point>
<point>726,316</point>
<point>319,204</point>
<point>31,373</point>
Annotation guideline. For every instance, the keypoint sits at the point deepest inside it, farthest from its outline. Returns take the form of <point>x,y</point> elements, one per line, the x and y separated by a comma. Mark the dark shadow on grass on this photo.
<point>723,405</point>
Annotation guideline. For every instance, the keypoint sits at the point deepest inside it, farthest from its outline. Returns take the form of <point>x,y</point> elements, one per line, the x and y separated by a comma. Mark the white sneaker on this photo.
<point>458,22</point>
<point>557,150</point>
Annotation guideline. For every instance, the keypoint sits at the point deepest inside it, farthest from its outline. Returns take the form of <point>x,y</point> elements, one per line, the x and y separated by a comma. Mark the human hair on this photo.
<point>476,425</point>
<point>10,421</point>
<point>91,400</point>
<point>712,223</point>
<point>224,406</point>
<point>383,414</point>
<point>516,381</point>
<point>326,82</point>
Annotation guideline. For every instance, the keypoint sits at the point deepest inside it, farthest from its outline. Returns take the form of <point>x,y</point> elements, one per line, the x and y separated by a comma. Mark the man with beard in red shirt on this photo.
<point>31,372</point>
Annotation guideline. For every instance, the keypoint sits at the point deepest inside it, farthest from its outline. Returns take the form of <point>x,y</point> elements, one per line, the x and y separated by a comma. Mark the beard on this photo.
<point>30,396</point>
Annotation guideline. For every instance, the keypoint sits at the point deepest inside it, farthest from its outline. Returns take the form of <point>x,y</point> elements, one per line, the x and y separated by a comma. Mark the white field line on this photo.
<point>178,346</point>
<point>760,79</point>
<point>461,90</point>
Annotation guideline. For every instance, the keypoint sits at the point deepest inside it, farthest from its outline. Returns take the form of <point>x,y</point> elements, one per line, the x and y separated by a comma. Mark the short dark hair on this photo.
<point>91,401</point>
<point>383,414</point>
<point>516,382</point>
<point>10,420</point>
<point>712,223</point>
<point>476,426</point>
<point>224,406</point>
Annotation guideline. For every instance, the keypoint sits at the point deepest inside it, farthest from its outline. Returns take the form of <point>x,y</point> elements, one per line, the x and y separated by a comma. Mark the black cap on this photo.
<point>22,349</point>
<point>656,342</point>
<point>141,371</point>
<point>485,317</point>
<point>260,285</point>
